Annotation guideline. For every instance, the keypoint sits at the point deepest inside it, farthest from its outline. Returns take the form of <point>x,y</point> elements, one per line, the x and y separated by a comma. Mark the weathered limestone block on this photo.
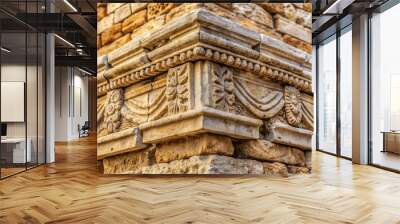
<point>255,13</point>
<point>283,52</point>
<point>284,134</point>
<point>98,42</point>
<point>136,7</point>
<point>286,26</point>
<point>285,9</point>
<point>135,20</point>
<point>305,6</point>
<point>122,12</point>
<point>308,156</point>
<point>297,169</point>
<point>181,10</point>
<point>204,144</point>
<point>105,23</point>
<point>275,169</point>
<point>101,13</point>
<point>306,47</point>
<point>149,26</point>
<point>210,164</point>
<point>120,142</point>
<point>111,7</point>
<point>304,18</point>
<point>111,34</point>
<point>114,45</point>
<point>123,163</point>
<point>268,151</point>
<point>156,9</point>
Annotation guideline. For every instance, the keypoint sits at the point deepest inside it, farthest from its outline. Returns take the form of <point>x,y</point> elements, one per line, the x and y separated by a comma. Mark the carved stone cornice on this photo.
<point>120,142</point>
<point>201,35</point>
<point>204,120</point>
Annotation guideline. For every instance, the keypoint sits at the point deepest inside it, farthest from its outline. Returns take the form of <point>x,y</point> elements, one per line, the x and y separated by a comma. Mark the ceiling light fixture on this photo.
<point>337,7</point>
<point>70,5</point>
<point>64,40</point>
<point>84,71</point>
<point>5,49</point>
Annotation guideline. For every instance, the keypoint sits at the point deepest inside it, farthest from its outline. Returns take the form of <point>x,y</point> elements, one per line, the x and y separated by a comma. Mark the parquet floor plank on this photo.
<point>71,191</point>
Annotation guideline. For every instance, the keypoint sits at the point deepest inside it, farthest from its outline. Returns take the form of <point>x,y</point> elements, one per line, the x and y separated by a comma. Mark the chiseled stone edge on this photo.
<point>200,121</point>
<point>120,142</point>
<point>287,135</point>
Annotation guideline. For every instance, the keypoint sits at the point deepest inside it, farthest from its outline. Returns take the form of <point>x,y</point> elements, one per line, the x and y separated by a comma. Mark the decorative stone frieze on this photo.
<point>216,88</point>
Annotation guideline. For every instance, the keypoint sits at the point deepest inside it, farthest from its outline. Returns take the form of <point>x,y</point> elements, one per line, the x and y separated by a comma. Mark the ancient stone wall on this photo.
<point>204,88</point>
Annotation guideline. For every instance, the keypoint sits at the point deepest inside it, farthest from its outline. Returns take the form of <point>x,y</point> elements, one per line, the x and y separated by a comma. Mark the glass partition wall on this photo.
<point>385,89</point>
<point>334,93</point>
<point>22,77</point>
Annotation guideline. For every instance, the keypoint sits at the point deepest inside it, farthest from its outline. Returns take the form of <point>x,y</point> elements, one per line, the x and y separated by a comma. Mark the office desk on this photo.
<point>391,141</point>
<point>13,150</point>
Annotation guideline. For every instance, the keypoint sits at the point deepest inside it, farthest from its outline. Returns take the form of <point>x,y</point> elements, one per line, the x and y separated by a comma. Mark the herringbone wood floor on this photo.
<point>70,191</point>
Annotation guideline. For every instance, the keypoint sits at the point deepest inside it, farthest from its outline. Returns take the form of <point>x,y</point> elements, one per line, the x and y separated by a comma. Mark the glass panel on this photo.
<point>385,84</point>
<point>13,86</point>
<point>327,96</point>
<point>31,98</point>
<point>346,94</point>
<point>41,99</point>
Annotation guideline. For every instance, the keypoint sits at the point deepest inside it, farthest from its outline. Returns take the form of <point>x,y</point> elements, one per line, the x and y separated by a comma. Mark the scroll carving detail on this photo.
<point>112,110</point>
<point>308,113</point>
<point>293,106</point>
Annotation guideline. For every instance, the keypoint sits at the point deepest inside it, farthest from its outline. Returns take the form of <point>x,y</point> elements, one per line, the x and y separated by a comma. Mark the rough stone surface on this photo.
<point>135,20</point>
<point>286,26</point>
<point>275,169</point>
<point>298,169</point>
<point>285,9</point>
<point>181,10</point>
<point>111,7</point>
<point>105,23</point>
<point>210,164</point>
<point>255,13</point>
<point>297,43</point>
<point>111,34</point>
<point>149,26</point>
<point>101,13</point>
<point>268,151</point>
<point>135,7</point>
<point>184,148</point>
<point>156,9</point>
<point>129,161</point>
<point>122,12</point>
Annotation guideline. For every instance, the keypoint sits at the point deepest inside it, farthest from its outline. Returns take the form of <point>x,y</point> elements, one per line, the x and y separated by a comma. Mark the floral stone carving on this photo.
<point>205,89</point>
<point>112,112</point>
<point>177,90</point>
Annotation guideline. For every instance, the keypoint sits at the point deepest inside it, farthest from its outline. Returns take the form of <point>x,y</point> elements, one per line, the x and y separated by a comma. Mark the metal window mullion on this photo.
<point>369,98</point>
<point>317,97</point>
<point>338,94</point>
<point>25,89</point>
